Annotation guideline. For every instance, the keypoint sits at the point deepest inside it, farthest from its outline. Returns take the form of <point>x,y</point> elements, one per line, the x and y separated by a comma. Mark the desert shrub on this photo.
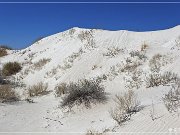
<point>154,63</point>
<point>84,35</point>
<point>140,55</point>
<point>87,38</point>
<point>156,79</point>
<point>39,89</point>
<point>7,94</point>
<point>11,68</point>
<point>68,62</point>
<point>144,47</point>
<point>130,65</point>
<point>172,98</point>
<point>38,65</point>
<point>94,67</point>
<point>126,105</point>
<point>101,78</point>
<point>52,72</point>
<point>113,51</point>
<point>61,89</point>
<point>157,61</point>
<point>2,79</point>
<point>94,132</point>
<point>3,52</point>
<point>72,31</point>
<point>84,92</point>
<point>134,79</point>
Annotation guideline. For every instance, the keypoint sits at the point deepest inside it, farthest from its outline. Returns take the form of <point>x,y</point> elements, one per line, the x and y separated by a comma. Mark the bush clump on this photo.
<point>38,65</point>
<point>60,89</point>
<point>11,68</point>
<point>156,79</point>
<point>172,98</point>
<point>126,105</point>
<point>39,89</point>
<point>7,94</point>
<point>3,52</point>
<point>139,54</point>
<point>84,92</point>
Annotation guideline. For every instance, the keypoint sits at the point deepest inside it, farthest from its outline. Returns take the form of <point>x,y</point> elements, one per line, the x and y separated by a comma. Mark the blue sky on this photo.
<point>21,24</point>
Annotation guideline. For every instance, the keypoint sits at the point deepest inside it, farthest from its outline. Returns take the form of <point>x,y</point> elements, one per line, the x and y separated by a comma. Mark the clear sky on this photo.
<point>21,24</point>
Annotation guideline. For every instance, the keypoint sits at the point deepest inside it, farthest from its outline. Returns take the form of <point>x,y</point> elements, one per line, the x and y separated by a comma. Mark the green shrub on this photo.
<point>11,68</point>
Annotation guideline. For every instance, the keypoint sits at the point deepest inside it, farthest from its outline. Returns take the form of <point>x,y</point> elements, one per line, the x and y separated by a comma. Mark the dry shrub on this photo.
<point>7,94</point>
<point>126,105</point>
<point>11,68</point>
<point>154,63</point>
<point>156,79</point>
<point>3,52</point>
<point>38,65</point>
<point>172,98</point>
<point>159,61</point>
<point>60,89</point>
<point>130,65</point>
<point>68,62</point>
<point>134,79</point>
<point>84,92</point>
<point>87,38</point>
<point>39,89</point>
<point>93,132</point>
<point>139,54</point>
<point>144,47</point>
<point>113,51</point>
<point>94,67</point>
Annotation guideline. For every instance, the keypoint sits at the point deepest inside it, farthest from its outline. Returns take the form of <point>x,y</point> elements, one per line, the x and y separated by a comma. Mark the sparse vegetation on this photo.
<point>87,38</point>
<point>141,55</point>
<point>39,89</point>
<point>68,62</point>
<point>61,89</point>
<point>156,79</point>
<point>3,52</point>
<point>84,92</point>
<point>158,61</point>
<point>94,67</point>
<point>101,78</point>
<point>38,65</point>
<point>130,65</point>
<point>11,68</point>
<point>113,51</point>
<point>134,79</point>
<point>7,94</point>
<point>144,47</point>
<point>94,132</point>
<point>172,98</point>
<point>126,105</point>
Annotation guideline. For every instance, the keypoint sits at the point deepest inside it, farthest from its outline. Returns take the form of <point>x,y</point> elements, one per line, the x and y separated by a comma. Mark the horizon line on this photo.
<point>90,2</point>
